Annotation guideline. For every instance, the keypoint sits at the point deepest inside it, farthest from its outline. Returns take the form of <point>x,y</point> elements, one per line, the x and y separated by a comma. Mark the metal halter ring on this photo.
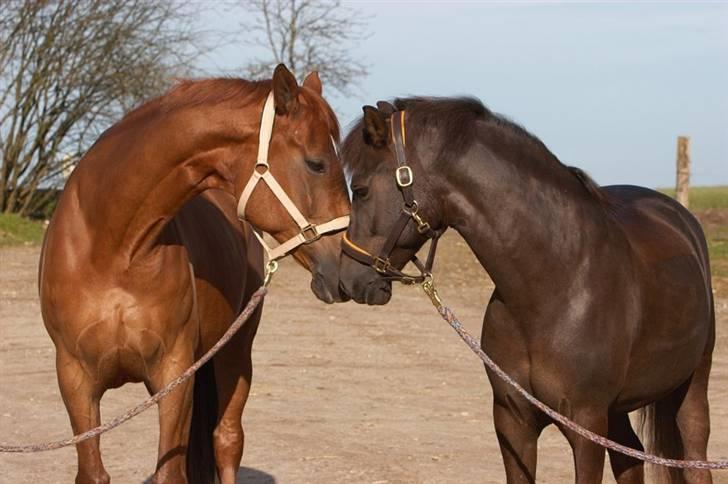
<point>381,265</point>
<point>412,209</point>
<point>270,268</point>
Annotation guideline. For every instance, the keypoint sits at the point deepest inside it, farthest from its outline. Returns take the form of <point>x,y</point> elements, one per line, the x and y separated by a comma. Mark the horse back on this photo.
<point>658,228</point>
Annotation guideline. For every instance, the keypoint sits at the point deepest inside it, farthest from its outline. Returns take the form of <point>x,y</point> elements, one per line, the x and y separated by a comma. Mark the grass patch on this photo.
<point>703,198</point>
<point>718,257</point>
<point>710,204</point>
<point>17,230</point>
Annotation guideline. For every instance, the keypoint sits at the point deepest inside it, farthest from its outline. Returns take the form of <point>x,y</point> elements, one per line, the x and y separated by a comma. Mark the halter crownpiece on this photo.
<point>404,177</point>
<point>308,232</point>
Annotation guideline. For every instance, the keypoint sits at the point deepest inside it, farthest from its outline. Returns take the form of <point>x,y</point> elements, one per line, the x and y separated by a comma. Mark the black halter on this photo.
<point>410,211</point>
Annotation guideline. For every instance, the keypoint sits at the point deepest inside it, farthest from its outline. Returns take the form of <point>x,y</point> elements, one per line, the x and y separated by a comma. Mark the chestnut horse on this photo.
<point>145,264</point>
<point>602,302</point>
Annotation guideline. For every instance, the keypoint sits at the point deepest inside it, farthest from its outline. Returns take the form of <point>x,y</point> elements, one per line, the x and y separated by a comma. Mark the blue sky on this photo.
<point>606,86</point>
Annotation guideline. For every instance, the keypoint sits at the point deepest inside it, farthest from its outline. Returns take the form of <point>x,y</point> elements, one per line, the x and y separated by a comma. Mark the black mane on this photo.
<point>455,118</point>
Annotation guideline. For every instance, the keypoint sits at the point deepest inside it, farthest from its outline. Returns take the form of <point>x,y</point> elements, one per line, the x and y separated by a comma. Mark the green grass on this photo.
<point>718,248</point>
<point>718,257</point>
<point>17,230</point>
<point>710,198</point>
<point>703,198</point>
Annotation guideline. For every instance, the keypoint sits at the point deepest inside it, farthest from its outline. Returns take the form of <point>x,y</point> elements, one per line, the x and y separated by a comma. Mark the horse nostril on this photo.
<point>378,292</point>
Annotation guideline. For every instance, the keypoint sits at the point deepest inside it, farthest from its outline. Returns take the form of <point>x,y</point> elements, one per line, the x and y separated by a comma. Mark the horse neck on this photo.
<point>142,172</point>
<point>529,221</point>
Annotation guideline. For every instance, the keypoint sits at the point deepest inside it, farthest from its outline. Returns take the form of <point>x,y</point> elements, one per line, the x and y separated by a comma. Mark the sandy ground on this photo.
<point>342,393</point>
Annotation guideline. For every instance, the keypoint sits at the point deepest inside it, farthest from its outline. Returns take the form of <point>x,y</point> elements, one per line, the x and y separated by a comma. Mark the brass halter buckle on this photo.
<point>310,234</point>
<point>404,176</point>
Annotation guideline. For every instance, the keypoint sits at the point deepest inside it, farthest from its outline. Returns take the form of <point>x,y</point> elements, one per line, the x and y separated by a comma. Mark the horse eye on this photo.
<point>360,192</point>
<point>316,166</point>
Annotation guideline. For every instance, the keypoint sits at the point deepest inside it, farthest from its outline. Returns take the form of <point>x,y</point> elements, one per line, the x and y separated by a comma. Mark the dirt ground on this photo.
<point>342,393</point>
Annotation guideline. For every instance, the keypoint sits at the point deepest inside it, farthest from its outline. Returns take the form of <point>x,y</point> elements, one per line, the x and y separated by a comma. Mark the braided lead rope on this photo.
<point>453,321</point>
<point>254,302</point>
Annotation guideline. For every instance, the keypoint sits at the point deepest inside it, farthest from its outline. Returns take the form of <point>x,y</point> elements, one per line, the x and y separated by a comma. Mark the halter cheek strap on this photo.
<point>308,232</point>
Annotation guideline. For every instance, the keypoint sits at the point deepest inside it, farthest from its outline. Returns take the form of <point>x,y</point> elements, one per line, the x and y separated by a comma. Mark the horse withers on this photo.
<point>602,302</point>
<point>145,263</point>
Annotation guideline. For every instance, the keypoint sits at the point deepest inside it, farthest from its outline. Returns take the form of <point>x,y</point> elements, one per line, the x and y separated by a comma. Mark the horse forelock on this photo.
<point>319,103</point>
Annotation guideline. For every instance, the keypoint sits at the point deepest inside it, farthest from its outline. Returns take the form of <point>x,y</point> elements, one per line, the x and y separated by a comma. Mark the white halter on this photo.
<point>261,171</point>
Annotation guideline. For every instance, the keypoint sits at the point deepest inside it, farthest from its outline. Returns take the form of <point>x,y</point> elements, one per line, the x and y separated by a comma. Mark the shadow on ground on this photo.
<point>246,475</point>
<point>254,476</point>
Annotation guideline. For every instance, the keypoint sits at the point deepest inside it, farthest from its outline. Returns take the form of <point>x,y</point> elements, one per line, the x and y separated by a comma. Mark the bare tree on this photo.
<point>68,69</point>
<point>306,35</point>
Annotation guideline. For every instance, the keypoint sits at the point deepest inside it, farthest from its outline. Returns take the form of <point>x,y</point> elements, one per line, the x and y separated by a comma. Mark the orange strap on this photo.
<point>402,129</point>
<point>351,244</point>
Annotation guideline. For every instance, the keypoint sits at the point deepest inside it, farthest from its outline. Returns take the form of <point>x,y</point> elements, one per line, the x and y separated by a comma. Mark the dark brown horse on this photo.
<point>603,301</point>
<point>145,264</point>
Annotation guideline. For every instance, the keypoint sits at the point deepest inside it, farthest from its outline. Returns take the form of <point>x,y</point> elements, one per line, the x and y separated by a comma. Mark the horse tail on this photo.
<point>201,467</point>
<point>662,437</point>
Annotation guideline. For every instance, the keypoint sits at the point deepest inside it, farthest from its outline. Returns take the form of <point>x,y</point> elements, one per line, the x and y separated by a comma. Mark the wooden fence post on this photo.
<point>683,170</point>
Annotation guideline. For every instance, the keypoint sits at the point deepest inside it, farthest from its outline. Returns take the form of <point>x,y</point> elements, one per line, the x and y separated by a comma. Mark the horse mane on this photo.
<point>456,119</point>
<point>195,92</point>
<point>589,184</point>
<point>186,93</point>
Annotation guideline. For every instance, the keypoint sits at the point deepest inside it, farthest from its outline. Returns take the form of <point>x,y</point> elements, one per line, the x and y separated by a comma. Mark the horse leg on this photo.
<point>175,414</point>
<point>693,422</point>
<point>518,430</point>
<point>233,386</point>
<point>626,470</point>
<point>588,456</point>
<point>82,398</point>
<point>517,424</point>
<point>233,374</point>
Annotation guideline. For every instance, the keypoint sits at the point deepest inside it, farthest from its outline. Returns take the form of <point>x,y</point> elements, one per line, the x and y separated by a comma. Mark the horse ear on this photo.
<point>385,108</point>
<point>375,127</point>
<point>313,82</point>
<point>285,90</point>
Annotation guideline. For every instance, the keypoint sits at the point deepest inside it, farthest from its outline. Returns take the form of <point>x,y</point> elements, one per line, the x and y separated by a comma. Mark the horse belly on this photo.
<point>674,333</point>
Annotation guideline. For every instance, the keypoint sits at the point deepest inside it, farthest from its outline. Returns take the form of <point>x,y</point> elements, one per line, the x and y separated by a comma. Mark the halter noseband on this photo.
<point>308,232</point>
<point>410,212</point>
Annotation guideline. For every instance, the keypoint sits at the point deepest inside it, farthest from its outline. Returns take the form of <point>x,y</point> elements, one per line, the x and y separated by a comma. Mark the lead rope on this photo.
<point>254,302</point>
<point>428,287</point>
